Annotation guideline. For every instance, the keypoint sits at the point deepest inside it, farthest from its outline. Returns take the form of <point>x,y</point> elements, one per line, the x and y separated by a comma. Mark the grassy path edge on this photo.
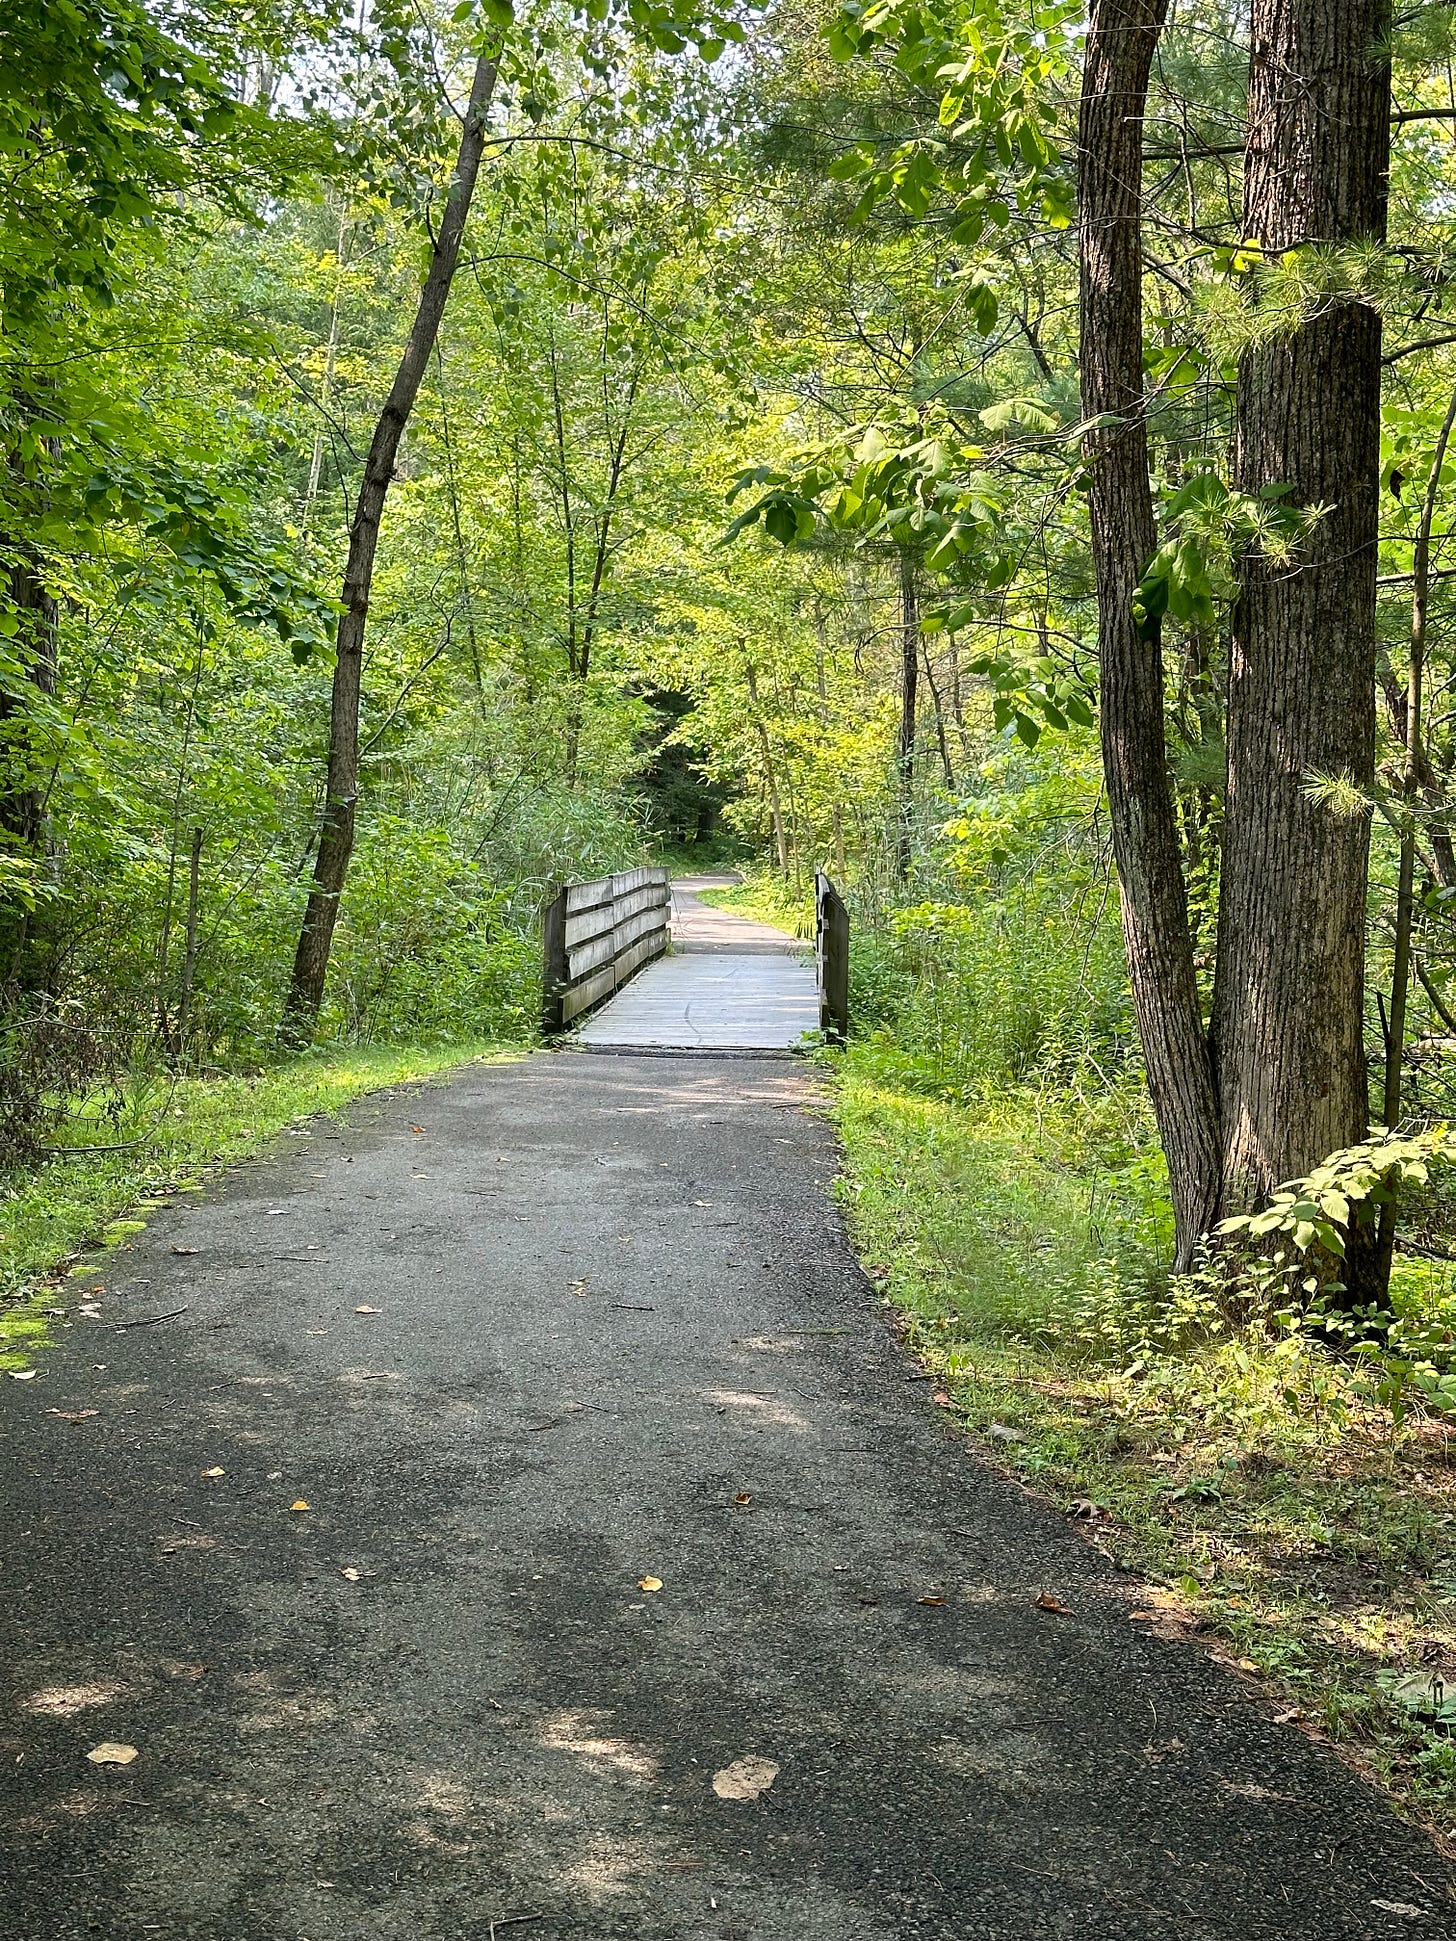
<point>1325,1578</point>
<point>196,1127</point>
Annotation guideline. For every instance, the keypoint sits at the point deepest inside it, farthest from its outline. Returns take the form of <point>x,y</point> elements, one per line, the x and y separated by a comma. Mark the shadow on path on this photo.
<point>612,1331</point>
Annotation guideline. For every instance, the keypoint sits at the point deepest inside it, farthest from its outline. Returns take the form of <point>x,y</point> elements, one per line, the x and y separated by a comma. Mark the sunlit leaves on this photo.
<point>997,72</point>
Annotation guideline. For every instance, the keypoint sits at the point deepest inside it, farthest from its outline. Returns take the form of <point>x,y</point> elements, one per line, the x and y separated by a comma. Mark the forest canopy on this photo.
<point>994,452</point>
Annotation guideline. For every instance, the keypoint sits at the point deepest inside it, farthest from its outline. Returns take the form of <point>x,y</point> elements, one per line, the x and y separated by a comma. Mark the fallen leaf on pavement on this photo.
<point>366,1310</point>
<point>417,1128</point>
<point>745,1778</point>
<point>1399,1907</point>
<point>184,1250</point>
<point>299,1505</point>
<point>743,1497</point>
<point>214,1472</point>
<point>1046,1602</point>
<point>74,1415</point>
<point>936,1599</point>
<point>649,1584</point>
<point>23,1374</point>
<point>109,1753</point>
<point>349,1574</point>
<point>941,1399</point>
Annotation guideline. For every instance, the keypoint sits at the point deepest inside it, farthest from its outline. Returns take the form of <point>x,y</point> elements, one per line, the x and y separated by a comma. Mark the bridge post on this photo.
<point>555,973</point>
<point>831,959</point>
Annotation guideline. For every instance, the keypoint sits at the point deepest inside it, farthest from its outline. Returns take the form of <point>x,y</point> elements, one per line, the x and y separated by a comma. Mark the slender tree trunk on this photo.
<point>1289,1010</point>
<point>1411,781</point>
<point>591,616</point>
<point>770,772</point>
<point>938,715</point>
<point>23,798</point>
<point>326,387</point>
<point>905,743</point>
<point>189,951</point>
<point>336,839</point>
<point>1122,38</point>
<point>22,812</point>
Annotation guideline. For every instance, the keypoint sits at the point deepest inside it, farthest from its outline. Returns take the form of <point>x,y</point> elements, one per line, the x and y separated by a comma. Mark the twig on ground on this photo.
<point>147,1320</point>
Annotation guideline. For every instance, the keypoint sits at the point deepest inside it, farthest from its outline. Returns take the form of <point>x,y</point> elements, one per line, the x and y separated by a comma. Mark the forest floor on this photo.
<point>525,1515</point>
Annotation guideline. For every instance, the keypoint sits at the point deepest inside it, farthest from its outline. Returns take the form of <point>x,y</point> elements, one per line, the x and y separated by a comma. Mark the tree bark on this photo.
<point>336,839</point>
<point>1122,38</point>
<point>905,742</point>
<point>1289,1007</point>
<point>23,796</point>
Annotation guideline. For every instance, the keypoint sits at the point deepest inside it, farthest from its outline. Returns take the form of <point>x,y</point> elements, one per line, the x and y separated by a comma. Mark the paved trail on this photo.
<point>613,1303</point>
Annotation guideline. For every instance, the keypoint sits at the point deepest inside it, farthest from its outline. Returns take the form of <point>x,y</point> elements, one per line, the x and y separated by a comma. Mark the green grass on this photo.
<point>1252,1480</point>
<point>186,1129</point>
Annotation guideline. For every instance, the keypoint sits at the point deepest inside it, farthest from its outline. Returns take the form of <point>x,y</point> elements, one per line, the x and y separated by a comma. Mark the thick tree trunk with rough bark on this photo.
<point>1122,38</point>
<point>336,839</point>
<point>1288,1014</point>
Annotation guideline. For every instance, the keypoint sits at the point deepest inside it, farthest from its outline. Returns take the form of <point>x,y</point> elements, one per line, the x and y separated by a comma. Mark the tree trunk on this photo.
<point>905,742</point>
<point>336,839</point>
<point>23,794</point>
<point>1288,1015</point>
<point>1122,38</point>
<point>770,773</point>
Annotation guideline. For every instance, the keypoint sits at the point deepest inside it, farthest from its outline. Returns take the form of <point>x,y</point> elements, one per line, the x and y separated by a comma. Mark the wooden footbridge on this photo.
<point>636,961</point>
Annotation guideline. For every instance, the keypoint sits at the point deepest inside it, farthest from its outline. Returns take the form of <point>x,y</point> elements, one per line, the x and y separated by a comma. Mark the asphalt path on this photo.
<point>524,1343</point>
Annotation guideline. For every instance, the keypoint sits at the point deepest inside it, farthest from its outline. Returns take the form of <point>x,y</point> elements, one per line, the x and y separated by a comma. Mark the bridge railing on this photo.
<point>597,935</point>
<point>831,959</point>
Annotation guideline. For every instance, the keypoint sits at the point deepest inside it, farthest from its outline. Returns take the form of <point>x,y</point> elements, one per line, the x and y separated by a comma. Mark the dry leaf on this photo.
<point>184,1250</point>
<point>214,1472</point>
<point>1399,1907</point>
<point>299,1505</point>
<point>74,1415</point>
<point>934,1598</point>
<point>1046,1602</point>
<point>743,1497</point>
<point>366,1310</point>
<point>349,1574</point>
<point>941,1399</point>
<point>109,1753</point>
<point>1085,1510</point>
<point>745,1778</point>
<point>417,1128</point>
<point>649,1584</point>
<point>23,1374</point>
<point>1247,1664</point>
